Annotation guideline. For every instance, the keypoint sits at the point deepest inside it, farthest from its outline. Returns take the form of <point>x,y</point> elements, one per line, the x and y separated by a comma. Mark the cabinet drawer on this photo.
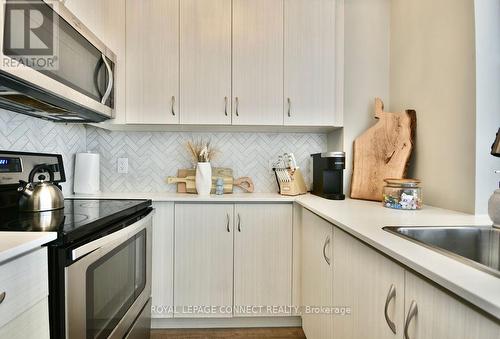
<point>32,324</point>
<point>24,282</point>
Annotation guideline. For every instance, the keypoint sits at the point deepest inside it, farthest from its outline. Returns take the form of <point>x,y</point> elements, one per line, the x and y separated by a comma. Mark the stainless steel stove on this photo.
<point>100,263</point>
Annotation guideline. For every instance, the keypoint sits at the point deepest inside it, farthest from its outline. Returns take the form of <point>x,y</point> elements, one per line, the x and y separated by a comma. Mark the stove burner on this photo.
<point>89,203</point>
<point>43,221</point>
<point>75,218</point>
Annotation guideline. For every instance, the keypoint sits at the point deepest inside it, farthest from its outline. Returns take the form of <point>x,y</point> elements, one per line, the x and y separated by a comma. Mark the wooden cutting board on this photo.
<point>189,186</point>
<point>383,151</point>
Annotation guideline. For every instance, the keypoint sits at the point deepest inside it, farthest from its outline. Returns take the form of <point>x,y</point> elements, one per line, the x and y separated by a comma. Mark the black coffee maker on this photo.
<point>328,175</point>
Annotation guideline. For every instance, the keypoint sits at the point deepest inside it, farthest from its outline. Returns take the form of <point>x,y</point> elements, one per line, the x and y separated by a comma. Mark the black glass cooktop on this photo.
<point>79,218</point>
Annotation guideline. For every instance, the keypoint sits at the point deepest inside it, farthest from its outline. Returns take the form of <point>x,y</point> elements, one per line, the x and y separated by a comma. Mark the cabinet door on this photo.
<point>364,280</point>
<point>309,58</point>
<point>262,258</point>
<point>203,274</point>
<point>441,316</point>
<point>153,61</point>
<point>205,54</point>
<point>317,276</point>
<point>163,261</point>
<point>32,324</point>
<point>258,62</point>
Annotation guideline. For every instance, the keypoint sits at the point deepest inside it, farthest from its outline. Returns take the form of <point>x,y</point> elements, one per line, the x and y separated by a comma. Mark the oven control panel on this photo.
<point>16,166</point>
<point>10,165</point>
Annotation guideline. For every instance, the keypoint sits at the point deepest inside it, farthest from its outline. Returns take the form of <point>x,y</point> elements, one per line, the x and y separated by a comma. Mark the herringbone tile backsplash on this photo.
<point>22,133</point>
<point>155,155</point>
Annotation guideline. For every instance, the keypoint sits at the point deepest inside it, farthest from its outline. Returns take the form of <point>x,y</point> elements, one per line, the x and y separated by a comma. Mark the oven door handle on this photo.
<point>113,238</point>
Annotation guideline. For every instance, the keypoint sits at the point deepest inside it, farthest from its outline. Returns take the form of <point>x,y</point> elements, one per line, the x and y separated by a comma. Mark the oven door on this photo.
<point>109,284</point>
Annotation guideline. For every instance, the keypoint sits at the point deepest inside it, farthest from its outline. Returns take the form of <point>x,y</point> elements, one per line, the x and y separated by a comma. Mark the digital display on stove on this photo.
<point>10,165</point>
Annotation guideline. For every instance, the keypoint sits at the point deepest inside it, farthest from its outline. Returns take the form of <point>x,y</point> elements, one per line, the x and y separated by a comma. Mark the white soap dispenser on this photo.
<point>494,206</point>
<point>494,202</point>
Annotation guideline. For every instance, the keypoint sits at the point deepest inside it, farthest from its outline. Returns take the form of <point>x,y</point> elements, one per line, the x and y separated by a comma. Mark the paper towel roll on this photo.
<point>87,173</point>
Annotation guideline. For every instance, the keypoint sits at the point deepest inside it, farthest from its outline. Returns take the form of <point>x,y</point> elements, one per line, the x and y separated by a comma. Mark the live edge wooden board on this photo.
<point>383,151</point>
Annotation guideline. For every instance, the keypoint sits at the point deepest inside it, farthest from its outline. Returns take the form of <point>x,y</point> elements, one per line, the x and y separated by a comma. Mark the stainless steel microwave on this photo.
<point>53,67</point>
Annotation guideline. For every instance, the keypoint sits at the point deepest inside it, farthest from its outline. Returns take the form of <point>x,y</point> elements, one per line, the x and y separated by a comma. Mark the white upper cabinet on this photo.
<point>310,63</point>
<point>257,62</point>
<point>205,62</point>
<point>153,62</point>
<point>222,62</point>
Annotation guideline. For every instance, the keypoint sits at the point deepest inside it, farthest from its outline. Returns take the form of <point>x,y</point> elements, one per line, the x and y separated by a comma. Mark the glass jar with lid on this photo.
<point>402,194</point>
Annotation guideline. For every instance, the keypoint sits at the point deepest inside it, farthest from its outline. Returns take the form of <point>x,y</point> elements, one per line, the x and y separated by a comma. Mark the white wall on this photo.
<point>433,71</point>
<point>487,97</point>
<point>366,72</point>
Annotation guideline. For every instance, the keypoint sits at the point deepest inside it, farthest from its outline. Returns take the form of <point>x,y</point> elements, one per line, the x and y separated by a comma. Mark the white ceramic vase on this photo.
<point>203,178</point>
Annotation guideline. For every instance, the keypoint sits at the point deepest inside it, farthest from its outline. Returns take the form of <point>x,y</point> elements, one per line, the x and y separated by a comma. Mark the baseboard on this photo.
<point>227,322</point>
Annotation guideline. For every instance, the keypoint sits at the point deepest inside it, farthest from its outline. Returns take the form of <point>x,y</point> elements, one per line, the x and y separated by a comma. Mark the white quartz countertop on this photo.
<point>13,244</point>
<point>365,220</point>
<point>187,197</point>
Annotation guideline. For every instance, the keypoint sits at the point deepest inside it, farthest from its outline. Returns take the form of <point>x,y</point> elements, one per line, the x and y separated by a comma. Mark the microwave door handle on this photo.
<point>99,65</point>
<point>110,80</point>
<point>112,239</point>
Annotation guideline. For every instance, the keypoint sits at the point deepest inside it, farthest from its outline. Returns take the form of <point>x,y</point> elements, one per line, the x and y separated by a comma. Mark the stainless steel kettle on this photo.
<point>42,195</point>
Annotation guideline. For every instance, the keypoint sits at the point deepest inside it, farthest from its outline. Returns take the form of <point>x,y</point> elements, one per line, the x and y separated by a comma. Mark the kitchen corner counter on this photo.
<point>365,220</point>
<point>13,244</point>
<point>186,197</point>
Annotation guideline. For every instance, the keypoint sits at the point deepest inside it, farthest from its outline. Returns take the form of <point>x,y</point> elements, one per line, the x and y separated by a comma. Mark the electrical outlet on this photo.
<point>122,165</point>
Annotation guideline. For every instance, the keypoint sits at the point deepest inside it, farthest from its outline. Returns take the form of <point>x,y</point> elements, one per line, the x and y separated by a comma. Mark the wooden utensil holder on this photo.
<point>295,186</point>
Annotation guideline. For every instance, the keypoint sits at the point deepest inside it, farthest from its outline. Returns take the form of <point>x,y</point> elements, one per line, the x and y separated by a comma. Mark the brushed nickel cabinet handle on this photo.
<point>225,106</point>
<point>289,101</point>
<point>391,295</point>
<point>327,241</point>
<point>227,224</point>
<point>412,312</point>
<point>2,297</point>
<point>237,102</point>
<point>172,109</point>
<point>239,223</point>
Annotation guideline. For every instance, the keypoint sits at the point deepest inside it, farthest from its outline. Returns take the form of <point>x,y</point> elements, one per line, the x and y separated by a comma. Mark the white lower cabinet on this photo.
<point>203,274</point>
<point>32,324</point>
<point>262,259</point>
<point>162,284</point>
<point>371,285</point>
<point>24,311</point>
<point>317,276</point>
<point>219,260</point>
<point>386,300</point>
<point>441,316</point>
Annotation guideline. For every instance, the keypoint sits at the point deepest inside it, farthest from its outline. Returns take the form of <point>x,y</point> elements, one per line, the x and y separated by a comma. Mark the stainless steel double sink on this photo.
<point>477,246</point>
